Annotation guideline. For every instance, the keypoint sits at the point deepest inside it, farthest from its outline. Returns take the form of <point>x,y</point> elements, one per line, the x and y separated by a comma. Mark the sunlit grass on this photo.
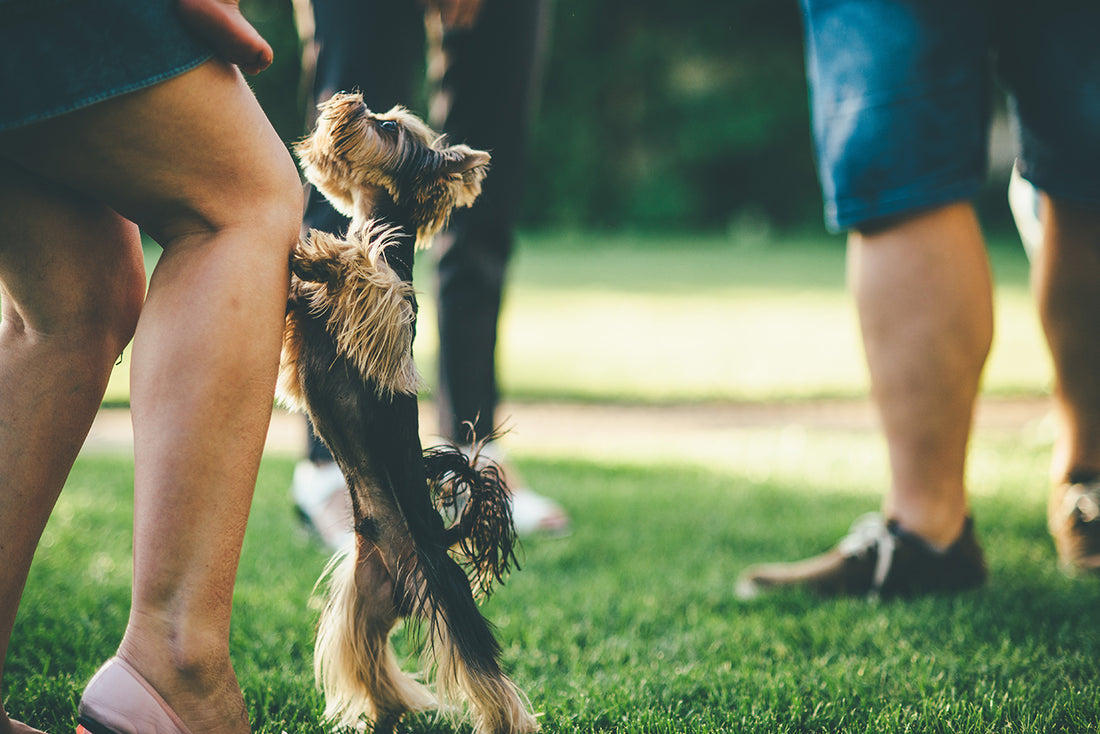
<point>659,318</point>
<point>630,624</point>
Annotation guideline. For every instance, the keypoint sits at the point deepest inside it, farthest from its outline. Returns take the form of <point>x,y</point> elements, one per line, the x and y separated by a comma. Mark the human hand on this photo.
<point>457,13</point>
<point>220,23</point>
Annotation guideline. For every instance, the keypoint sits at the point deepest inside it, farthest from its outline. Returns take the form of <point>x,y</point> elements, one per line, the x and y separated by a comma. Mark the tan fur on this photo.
<point>351,159</point>
<point>369,312</point>
<point>356,669</point>
<point>288,388</point>
<point>498,705</point>
<point>354,664</point>
<point>357,159</point>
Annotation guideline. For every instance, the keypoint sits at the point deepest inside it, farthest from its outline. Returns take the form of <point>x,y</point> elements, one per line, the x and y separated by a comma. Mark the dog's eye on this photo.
<point>388,125</point>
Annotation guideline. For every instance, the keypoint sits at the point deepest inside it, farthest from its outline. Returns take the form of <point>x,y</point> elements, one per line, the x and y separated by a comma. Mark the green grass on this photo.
<point>629,624</point>
<point>657,318</point>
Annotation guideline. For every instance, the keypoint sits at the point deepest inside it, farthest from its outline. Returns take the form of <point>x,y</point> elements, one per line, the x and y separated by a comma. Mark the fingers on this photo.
<point>221,24</point>
<point>459,13</point>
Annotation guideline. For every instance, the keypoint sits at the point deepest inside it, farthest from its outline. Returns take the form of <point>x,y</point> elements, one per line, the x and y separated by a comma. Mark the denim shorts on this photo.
<point>60,55</point>
<point>901,97</point>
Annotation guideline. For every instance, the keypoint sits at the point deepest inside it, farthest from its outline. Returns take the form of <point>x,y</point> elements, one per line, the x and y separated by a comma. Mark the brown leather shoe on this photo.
<point>877,559</point>
<point>1073,517</point>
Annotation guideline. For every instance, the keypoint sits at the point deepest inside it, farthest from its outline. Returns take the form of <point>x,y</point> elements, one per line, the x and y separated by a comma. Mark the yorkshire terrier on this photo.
<point>347,362</point>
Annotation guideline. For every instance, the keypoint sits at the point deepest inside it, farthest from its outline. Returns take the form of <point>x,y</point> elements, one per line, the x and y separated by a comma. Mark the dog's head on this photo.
<point>355,155</point>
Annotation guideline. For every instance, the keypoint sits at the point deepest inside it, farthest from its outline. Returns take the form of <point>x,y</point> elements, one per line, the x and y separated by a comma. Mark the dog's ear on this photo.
<point>464,169</point>
<point>464,160</point>
<point>452,180</point>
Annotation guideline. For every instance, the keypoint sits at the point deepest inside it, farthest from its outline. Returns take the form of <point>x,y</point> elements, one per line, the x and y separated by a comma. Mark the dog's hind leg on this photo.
<point>354,663</point>
<point>497,704</point>
<point>468,666</point>
<point>436,589</point>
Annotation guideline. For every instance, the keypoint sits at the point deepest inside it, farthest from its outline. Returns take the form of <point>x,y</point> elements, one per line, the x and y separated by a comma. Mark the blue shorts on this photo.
<point>60,55</point>
<point>901,97</point>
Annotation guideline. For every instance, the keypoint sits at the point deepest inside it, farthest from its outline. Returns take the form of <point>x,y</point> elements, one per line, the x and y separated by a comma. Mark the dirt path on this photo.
<point>585,428</point>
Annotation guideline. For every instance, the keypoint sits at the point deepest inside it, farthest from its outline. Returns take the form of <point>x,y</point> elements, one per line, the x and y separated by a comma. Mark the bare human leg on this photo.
<point>1066,282</point>
<point>924,296</point>
<point>71,284</point>
<point>195,163</point>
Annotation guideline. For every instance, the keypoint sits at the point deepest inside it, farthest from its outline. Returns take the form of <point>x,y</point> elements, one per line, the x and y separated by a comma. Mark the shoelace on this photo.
<point>870,531</point>
<point>1083,500</point>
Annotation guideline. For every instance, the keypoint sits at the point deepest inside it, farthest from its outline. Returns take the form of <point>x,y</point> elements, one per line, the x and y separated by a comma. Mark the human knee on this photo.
<point>264,220</point>
<point>107,307</point>
<point>277,205</point>
<point>119,314</point>
<point>88,302</point>
<point>286,205</point>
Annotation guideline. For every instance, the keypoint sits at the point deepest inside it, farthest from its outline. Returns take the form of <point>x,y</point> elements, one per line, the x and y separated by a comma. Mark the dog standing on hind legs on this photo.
<point>347,361</point>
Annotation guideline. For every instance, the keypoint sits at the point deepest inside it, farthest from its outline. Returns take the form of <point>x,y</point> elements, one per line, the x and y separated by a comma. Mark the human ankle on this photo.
<point>197,659</point>
<point>193,700</point>
<point>939,530</point>
<point>1078,475</point>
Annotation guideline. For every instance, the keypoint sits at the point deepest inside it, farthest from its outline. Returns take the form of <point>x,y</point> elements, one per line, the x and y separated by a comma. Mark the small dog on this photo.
<point>347,361</point>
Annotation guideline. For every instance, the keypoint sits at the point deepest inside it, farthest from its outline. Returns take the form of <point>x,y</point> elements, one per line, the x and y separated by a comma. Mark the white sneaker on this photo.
<point>321,496</point>
<point>535,514</point>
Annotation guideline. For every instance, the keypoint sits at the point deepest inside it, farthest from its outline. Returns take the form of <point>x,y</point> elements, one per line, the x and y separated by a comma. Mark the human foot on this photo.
<point>877,559</point>
<point>118,700</point>
<point>220,23</point>
<point>320,494</point>
<point>1073,516</point>
<point>121,700</point>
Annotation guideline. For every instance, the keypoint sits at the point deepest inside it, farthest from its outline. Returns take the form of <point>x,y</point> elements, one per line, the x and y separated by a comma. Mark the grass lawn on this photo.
<point>656,318</point>
<point>643,318</point>
<point>630,624</point>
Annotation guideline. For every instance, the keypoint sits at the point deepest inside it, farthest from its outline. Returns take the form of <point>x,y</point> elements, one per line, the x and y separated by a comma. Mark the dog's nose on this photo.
<point>361,108</point>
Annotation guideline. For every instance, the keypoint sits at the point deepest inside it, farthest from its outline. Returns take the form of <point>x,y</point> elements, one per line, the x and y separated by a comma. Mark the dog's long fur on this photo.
<point>358,159</point>
<point>347,361</point>
<point>349,282</point>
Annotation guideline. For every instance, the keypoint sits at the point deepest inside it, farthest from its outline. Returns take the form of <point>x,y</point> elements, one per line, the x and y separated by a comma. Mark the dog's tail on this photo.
<point>483,536</point>
<point>354,665</point>
<point>435,587</point>
<point>471,490</point>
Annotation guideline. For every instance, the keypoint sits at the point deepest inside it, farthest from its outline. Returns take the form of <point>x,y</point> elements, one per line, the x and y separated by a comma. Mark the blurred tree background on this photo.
<point>673,114</point>
<point>654,114</point>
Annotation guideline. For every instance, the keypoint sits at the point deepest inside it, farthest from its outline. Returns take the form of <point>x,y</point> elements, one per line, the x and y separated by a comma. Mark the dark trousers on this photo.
<point>484,97</point>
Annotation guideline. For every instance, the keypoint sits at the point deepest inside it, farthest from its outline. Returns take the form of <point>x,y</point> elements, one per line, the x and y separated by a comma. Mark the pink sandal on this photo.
<point>119,701</point>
